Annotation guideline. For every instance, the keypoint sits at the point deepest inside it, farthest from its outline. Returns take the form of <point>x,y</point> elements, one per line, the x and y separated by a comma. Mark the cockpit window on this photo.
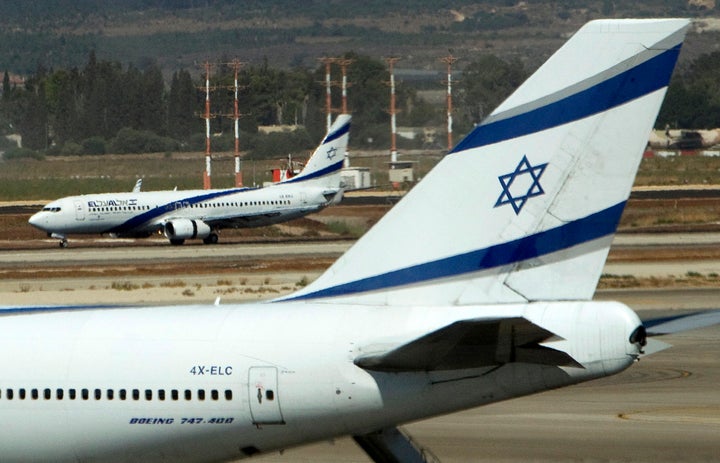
<point>51,209</point>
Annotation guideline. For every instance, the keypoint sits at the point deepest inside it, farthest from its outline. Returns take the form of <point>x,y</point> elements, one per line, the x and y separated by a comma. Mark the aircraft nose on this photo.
<point>36,220</point>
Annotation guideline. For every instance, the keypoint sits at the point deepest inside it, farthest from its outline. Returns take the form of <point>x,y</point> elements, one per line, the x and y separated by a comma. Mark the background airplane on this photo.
<point>191,214</point>
<point>475,288</point>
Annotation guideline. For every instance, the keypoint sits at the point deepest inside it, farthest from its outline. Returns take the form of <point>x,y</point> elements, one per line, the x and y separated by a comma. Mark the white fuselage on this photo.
<point>224,382</point>
<point>142,213</point>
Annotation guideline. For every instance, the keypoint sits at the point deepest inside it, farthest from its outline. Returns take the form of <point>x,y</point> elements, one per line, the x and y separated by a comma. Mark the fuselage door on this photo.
<point>79,211</point>
<point>264,397</point>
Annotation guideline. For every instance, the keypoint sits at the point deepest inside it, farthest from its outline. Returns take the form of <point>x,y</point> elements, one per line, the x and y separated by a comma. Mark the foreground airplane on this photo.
<point>182,215</point>
<point>475,288</point>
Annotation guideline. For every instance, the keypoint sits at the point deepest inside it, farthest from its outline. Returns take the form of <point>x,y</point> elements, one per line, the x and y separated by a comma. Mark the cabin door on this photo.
<point>264,397</point>
<point>79,211</point>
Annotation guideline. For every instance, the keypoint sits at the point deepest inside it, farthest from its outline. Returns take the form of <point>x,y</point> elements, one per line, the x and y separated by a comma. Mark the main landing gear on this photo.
<point>212,238</point>
<point>393,445</point>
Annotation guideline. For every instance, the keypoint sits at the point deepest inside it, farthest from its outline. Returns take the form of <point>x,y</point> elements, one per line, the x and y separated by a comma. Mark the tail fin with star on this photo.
<point>525,207</point>
<point>323,167</point>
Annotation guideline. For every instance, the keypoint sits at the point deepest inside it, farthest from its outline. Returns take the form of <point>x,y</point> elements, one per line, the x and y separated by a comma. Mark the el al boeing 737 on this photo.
<point>475,288</point>
<point>182,215</point>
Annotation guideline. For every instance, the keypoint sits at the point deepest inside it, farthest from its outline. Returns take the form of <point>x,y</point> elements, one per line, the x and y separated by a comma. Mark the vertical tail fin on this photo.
<point>323,167</point>
<point>525,207</point>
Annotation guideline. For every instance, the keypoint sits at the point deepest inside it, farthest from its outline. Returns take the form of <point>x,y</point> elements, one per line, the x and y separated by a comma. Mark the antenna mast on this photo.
<point>393,127</point>
<point>208,158</point>
<point>236,64</point>
<point>449,60</point>
<point>328,85</point>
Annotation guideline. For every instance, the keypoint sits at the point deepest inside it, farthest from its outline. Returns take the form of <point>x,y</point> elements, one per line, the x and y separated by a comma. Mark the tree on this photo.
<point>182,120</point>
<point>32,123</point>
<point>152,103</point>
<point>486,82</point>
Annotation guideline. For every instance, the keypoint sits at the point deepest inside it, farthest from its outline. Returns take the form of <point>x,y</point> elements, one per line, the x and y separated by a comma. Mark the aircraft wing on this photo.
<point>471,344</point>
<point>675,324</point>
<point>678,323</point>
<point>240,221</point>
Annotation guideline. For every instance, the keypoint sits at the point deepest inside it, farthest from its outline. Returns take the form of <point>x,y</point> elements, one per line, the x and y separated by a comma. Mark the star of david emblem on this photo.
<point>521,184</point>
<point>331,152</point>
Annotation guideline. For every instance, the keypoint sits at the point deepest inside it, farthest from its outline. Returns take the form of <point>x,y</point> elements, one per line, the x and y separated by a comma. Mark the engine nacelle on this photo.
<point>183,229</point>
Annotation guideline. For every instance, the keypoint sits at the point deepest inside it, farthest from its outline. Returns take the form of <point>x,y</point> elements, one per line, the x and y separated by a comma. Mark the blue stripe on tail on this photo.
<point>557,239</point>
<point>634,83</point>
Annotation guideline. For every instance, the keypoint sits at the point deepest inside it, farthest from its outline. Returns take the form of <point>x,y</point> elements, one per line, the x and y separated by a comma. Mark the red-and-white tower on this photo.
<point>208,158</point>
<point>328,86</point>
<point>393,111</point>
<point>236,118</point>
<point>449,60</point>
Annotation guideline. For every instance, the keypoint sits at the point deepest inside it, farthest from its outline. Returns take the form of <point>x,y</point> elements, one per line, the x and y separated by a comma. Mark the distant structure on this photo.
<point>449,60</point>
<point>207,114</point>
<point>344,63</point>
<point>328,62</point>
<point>393,126</point>
<point>208,158</point>
<point>401,172</point>
<point>236,65</point>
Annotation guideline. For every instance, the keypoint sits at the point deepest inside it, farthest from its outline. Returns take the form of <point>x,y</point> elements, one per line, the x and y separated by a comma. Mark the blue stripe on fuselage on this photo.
<point>636,82</point>
<point>13,310</point>
<point>148,216</point>
<point>557,239</point>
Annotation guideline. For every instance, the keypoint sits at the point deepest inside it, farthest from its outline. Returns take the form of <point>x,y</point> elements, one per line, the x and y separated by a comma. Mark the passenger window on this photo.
<point>174,394</point>
<point>71,394</point>
<point>188,394</point>
<point>9,394</point>
<point>21,394</point>
<point>123,394</point>
<point>214,394</point>
<point>110,394</point>
<point>136,394</point>
<point>98,394</point>
<point>161,394</point>
<point>148,394</point>
<point>85,394</point>
<point>201,394</point>
<point>59,393</point>
<point>34,394</point>
<point>47,394</point>
<point>228,394</point>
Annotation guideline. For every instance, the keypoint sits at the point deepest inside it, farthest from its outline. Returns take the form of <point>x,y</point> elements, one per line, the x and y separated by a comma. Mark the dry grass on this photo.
<point>690,280</point>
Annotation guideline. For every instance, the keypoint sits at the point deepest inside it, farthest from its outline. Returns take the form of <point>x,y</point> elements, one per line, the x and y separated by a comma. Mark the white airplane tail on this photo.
<point>323,167</point>
<point>525,207</point>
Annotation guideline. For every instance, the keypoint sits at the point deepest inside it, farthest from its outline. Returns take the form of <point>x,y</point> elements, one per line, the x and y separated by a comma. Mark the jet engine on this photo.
<point>179,230</point>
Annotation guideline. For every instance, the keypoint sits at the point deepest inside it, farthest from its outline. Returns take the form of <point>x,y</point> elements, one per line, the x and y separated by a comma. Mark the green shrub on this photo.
<point>130,140</point>
<point>70,148</point>
<point>93,145</point>
<point>23,153</point>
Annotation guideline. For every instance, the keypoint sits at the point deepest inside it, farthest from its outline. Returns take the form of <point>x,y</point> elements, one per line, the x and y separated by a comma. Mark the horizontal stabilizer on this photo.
<point>471,344</point>
<point>676,324</point>
<point>654,346</point>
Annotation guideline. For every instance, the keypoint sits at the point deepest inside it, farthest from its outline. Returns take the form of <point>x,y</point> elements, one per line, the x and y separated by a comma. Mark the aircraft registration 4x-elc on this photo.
<point>476,287</point>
